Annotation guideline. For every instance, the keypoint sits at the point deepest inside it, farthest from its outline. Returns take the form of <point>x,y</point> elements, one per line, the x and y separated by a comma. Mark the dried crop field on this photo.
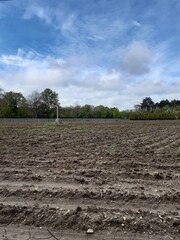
<point>119,178</point>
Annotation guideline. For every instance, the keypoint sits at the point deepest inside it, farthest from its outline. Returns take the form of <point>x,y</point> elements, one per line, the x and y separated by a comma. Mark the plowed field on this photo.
<point>119,178</point>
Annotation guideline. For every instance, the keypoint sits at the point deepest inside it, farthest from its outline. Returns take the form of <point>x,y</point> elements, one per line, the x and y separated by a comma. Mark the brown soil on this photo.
<point>120,178</point>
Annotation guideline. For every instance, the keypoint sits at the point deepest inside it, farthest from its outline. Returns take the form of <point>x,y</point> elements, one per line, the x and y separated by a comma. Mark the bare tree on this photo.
<point>35,102</point>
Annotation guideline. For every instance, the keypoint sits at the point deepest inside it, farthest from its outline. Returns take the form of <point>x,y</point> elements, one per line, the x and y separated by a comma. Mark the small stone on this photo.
<point>66,213</point>
<point>90,231</point>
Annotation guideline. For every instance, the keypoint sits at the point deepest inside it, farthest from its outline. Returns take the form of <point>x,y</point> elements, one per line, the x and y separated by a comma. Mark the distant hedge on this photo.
<point>151,116</point>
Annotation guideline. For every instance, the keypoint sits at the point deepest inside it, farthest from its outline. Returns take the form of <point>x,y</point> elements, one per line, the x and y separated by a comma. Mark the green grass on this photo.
<point>178,151</point>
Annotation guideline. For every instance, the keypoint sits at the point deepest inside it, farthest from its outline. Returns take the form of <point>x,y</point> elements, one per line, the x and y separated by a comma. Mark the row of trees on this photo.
<point>14,104</point>
<point>148,104</point>
<point>44,104</point>
<point>148,110</point>
<point>89,111</point>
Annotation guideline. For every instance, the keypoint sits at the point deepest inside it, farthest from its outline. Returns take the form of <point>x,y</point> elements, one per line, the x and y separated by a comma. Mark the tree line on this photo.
<point>44,104</point>
<point>163,110</point>
<point>148,104</point>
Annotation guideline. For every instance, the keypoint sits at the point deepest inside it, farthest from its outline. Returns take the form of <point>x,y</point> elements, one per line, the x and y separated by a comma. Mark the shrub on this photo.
<point>151,116</point>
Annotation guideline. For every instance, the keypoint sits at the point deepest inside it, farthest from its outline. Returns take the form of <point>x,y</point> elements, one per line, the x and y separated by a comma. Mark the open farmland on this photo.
<point>120,178</point>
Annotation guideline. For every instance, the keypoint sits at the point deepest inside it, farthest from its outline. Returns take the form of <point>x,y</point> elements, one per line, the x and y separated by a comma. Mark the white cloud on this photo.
<point>39,12</point>
<point>76,29</point>
<point>78,81</point>
<point>66,76</point>
<point>136,58</point>
<point>136,23</point>
<point>21,59</point>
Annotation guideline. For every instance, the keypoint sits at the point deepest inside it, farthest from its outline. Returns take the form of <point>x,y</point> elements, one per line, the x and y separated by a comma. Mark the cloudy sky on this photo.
<point>109,52</point>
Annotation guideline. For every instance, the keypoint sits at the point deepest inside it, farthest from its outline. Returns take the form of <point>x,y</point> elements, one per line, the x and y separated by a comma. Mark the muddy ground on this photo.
<point>119,178</point>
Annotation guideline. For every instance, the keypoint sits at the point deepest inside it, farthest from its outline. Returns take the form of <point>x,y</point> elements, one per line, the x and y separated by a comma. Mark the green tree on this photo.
<point>50,102</point>
<point>164,103</point>
<point>1,93</point>
<point>11,104</point>
<point>147,104</point>
<point>87,111</point>
<point>77,111</point>
<point>102,112</point>
<point>116,113</point>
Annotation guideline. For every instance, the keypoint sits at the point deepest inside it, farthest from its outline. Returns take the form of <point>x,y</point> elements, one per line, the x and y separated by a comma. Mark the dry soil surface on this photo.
<point>119,178</point>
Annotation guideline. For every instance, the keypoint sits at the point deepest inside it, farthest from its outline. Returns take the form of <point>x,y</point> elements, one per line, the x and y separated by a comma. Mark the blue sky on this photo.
<point>113,53</point>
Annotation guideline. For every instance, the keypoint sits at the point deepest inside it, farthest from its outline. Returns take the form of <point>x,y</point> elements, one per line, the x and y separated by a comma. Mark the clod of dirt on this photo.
<point>81,180</point>
<point>78,209</point>
<point>158,175</point>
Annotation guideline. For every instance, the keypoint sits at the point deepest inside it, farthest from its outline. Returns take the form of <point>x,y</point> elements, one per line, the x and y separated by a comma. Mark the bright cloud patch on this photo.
<point>137,58</point>
<point>31,71</point>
